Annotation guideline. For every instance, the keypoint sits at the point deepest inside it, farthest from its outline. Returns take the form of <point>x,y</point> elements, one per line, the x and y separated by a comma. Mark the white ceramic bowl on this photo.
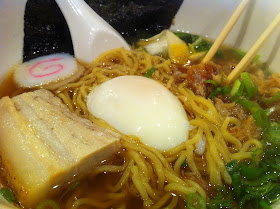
<point>203,17</point>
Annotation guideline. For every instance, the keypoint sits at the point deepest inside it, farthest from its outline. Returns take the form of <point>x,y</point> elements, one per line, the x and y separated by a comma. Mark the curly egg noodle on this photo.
<point>158,177</point>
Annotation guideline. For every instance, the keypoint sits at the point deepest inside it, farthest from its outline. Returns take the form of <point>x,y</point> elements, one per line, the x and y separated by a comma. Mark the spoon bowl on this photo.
<point>91,35</point>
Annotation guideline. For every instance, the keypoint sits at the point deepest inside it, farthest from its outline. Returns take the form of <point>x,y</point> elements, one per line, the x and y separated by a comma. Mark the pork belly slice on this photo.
<point>43,144</point>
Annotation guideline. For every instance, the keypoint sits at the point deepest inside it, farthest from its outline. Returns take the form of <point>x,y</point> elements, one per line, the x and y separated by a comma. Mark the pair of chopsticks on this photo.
<point>240,67</point>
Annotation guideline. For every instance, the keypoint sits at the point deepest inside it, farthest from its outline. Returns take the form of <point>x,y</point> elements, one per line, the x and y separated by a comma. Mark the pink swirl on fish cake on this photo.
<point>46,68</point>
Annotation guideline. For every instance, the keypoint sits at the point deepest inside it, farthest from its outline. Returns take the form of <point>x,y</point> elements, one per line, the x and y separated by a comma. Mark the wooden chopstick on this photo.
<point>254,49</point>
<point>233,19</point>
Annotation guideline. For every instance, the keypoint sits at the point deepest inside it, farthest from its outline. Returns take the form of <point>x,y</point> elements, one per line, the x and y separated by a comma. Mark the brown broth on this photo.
<point>8,86</point>
<point>94,187</point>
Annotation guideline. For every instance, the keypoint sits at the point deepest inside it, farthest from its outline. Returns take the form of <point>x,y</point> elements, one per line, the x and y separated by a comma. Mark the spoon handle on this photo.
<point>91,34</point>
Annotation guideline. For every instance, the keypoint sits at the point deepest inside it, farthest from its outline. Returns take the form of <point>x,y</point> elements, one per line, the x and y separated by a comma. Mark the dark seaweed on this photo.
<point>136,19</point>
<point>45,30</point>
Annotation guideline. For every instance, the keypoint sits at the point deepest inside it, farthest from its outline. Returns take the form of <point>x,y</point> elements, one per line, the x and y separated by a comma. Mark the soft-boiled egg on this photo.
<point>136,105</point>
<point>177,49</point>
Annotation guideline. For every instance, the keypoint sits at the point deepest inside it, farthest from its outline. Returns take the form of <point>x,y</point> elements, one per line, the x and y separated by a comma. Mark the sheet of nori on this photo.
<point>137,18</point>
<point>46,30</point>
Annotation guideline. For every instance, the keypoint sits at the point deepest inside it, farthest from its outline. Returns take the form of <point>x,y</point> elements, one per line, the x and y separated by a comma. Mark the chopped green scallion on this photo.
<point>215,83</point>
<point>274,98</point>
<point>264,204</point>
<point>273,194</point>
<point>219,90</point>
<point>8,194</point>
<point>250,173</point>
<point>225,90</point>
<point>195,201</point>
<point>242,53</point>
<point>249,84</point>
<point>272,134</point>
<point>249,105</point>
<point>261,118</point>
<point>233,170</point>
<point>245,198</point>
<point>150,72</point>
<point>235,88</point>
<point>223,199</point>
<point>197,42</point>
<point>257,156</point>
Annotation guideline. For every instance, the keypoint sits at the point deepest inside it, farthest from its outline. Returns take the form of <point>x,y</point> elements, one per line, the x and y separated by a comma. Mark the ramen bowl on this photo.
<point>201,17</point>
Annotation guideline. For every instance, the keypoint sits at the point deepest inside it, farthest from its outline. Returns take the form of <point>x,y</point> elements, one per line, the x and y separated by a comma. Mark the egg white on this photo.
<point>136,105</point>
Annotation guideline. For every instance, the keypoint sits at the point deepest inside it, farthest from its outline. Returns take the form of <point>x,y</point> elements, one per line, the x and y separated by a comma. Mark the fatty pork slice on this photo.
<point>43,144</point>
